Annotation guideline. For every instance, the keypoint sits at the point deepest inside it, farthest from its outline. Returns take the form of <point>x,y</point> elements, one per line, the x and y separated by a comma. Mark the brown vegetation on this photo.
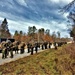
<point>49,62</point>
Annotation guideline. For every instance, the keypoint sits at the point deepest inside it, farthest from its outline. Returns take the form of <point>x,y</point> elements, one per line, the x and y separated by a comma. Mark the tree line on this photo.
<point>40,35</point>
<point>33,35</point>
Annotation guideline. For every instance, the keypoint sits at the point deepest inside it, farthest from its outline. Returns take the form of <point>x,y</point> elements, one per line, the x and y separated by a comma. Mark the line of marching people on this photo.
<point>8,47</point>
<point>42,46</point>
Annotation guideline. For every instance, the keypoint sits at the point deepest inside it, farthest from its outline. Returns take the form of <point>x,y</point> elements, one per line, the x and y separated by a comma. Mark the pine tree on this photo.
<point>4,31</point>
<point>16,33</point>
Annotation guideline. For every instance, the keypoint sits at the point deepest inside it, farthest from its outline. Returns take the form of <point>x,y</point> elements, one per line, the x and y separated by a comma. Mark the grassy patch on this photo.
<point>49,62</point>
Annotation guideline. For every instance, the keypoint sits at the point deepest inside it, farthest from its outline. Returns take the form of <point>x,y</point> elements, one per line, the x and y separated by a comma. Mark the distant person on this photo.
<point>45,44</point>
<point>28,46</point>
<point>11,53</point>
<point>55,47</point>
<point>36,47</point>
<point>42,46</point>
<point>3,53</point>
<point>32,47</point>
<point>21,47</point>
<point>4,50</point>
<point>11,50</point>
<point>49,45</point>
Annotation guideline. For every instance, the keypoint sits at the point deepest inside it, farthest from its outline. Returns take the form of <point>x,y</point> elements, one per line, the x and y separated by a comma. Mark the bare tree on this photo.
<point>71,9</point>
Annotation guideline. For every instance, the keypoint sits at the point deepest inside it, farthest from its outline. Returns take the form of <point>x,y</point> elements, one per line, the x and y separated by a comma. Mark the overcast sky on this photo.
<point>45,14</point>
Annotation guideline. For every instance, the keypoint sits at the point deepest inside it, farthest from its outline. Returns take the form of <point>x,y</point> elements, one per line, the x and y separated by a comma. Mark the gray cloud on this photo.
<point>41,13</point>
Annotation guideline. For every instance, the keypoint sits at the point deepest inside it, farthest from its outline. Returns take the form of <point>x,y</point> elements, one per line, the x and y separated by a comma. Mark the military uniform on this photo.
<point>36,47</point>
<point>42,47</point>
<point>32,46</point>
<point>28,46</point>
<point>4,50</point>
<point>45,44</point>
<point>11,50</point>
<point>49,45</point>
<point>3,53</point>
<point>15,46</point>
<point>11,53</point>
<point>21,47</point>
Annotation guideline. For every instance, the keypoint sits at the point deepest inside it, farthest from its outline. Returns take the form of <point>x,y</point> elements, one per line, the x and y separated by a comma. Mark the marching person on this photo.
<point>4,50</point>
<point>36,47</point>
<point>28,46</point>
<point>32,46</point>
<point>11,50</point>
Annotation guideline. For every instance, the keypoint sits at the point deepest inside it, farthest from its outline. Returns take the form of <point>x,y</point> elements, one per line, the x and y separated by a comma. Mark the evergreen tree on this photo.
<point>4,25</point>
<point>41,31</point>
<point>4,31</point>
<point>21,33</point>
<point>31,30</point>
<point>47,31</point>
<point>54,36</point>
<point>16,33</point>
<point>58,33</point>
<point>32,33</point>
<point>17,36</point>
<point>41,35</point>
